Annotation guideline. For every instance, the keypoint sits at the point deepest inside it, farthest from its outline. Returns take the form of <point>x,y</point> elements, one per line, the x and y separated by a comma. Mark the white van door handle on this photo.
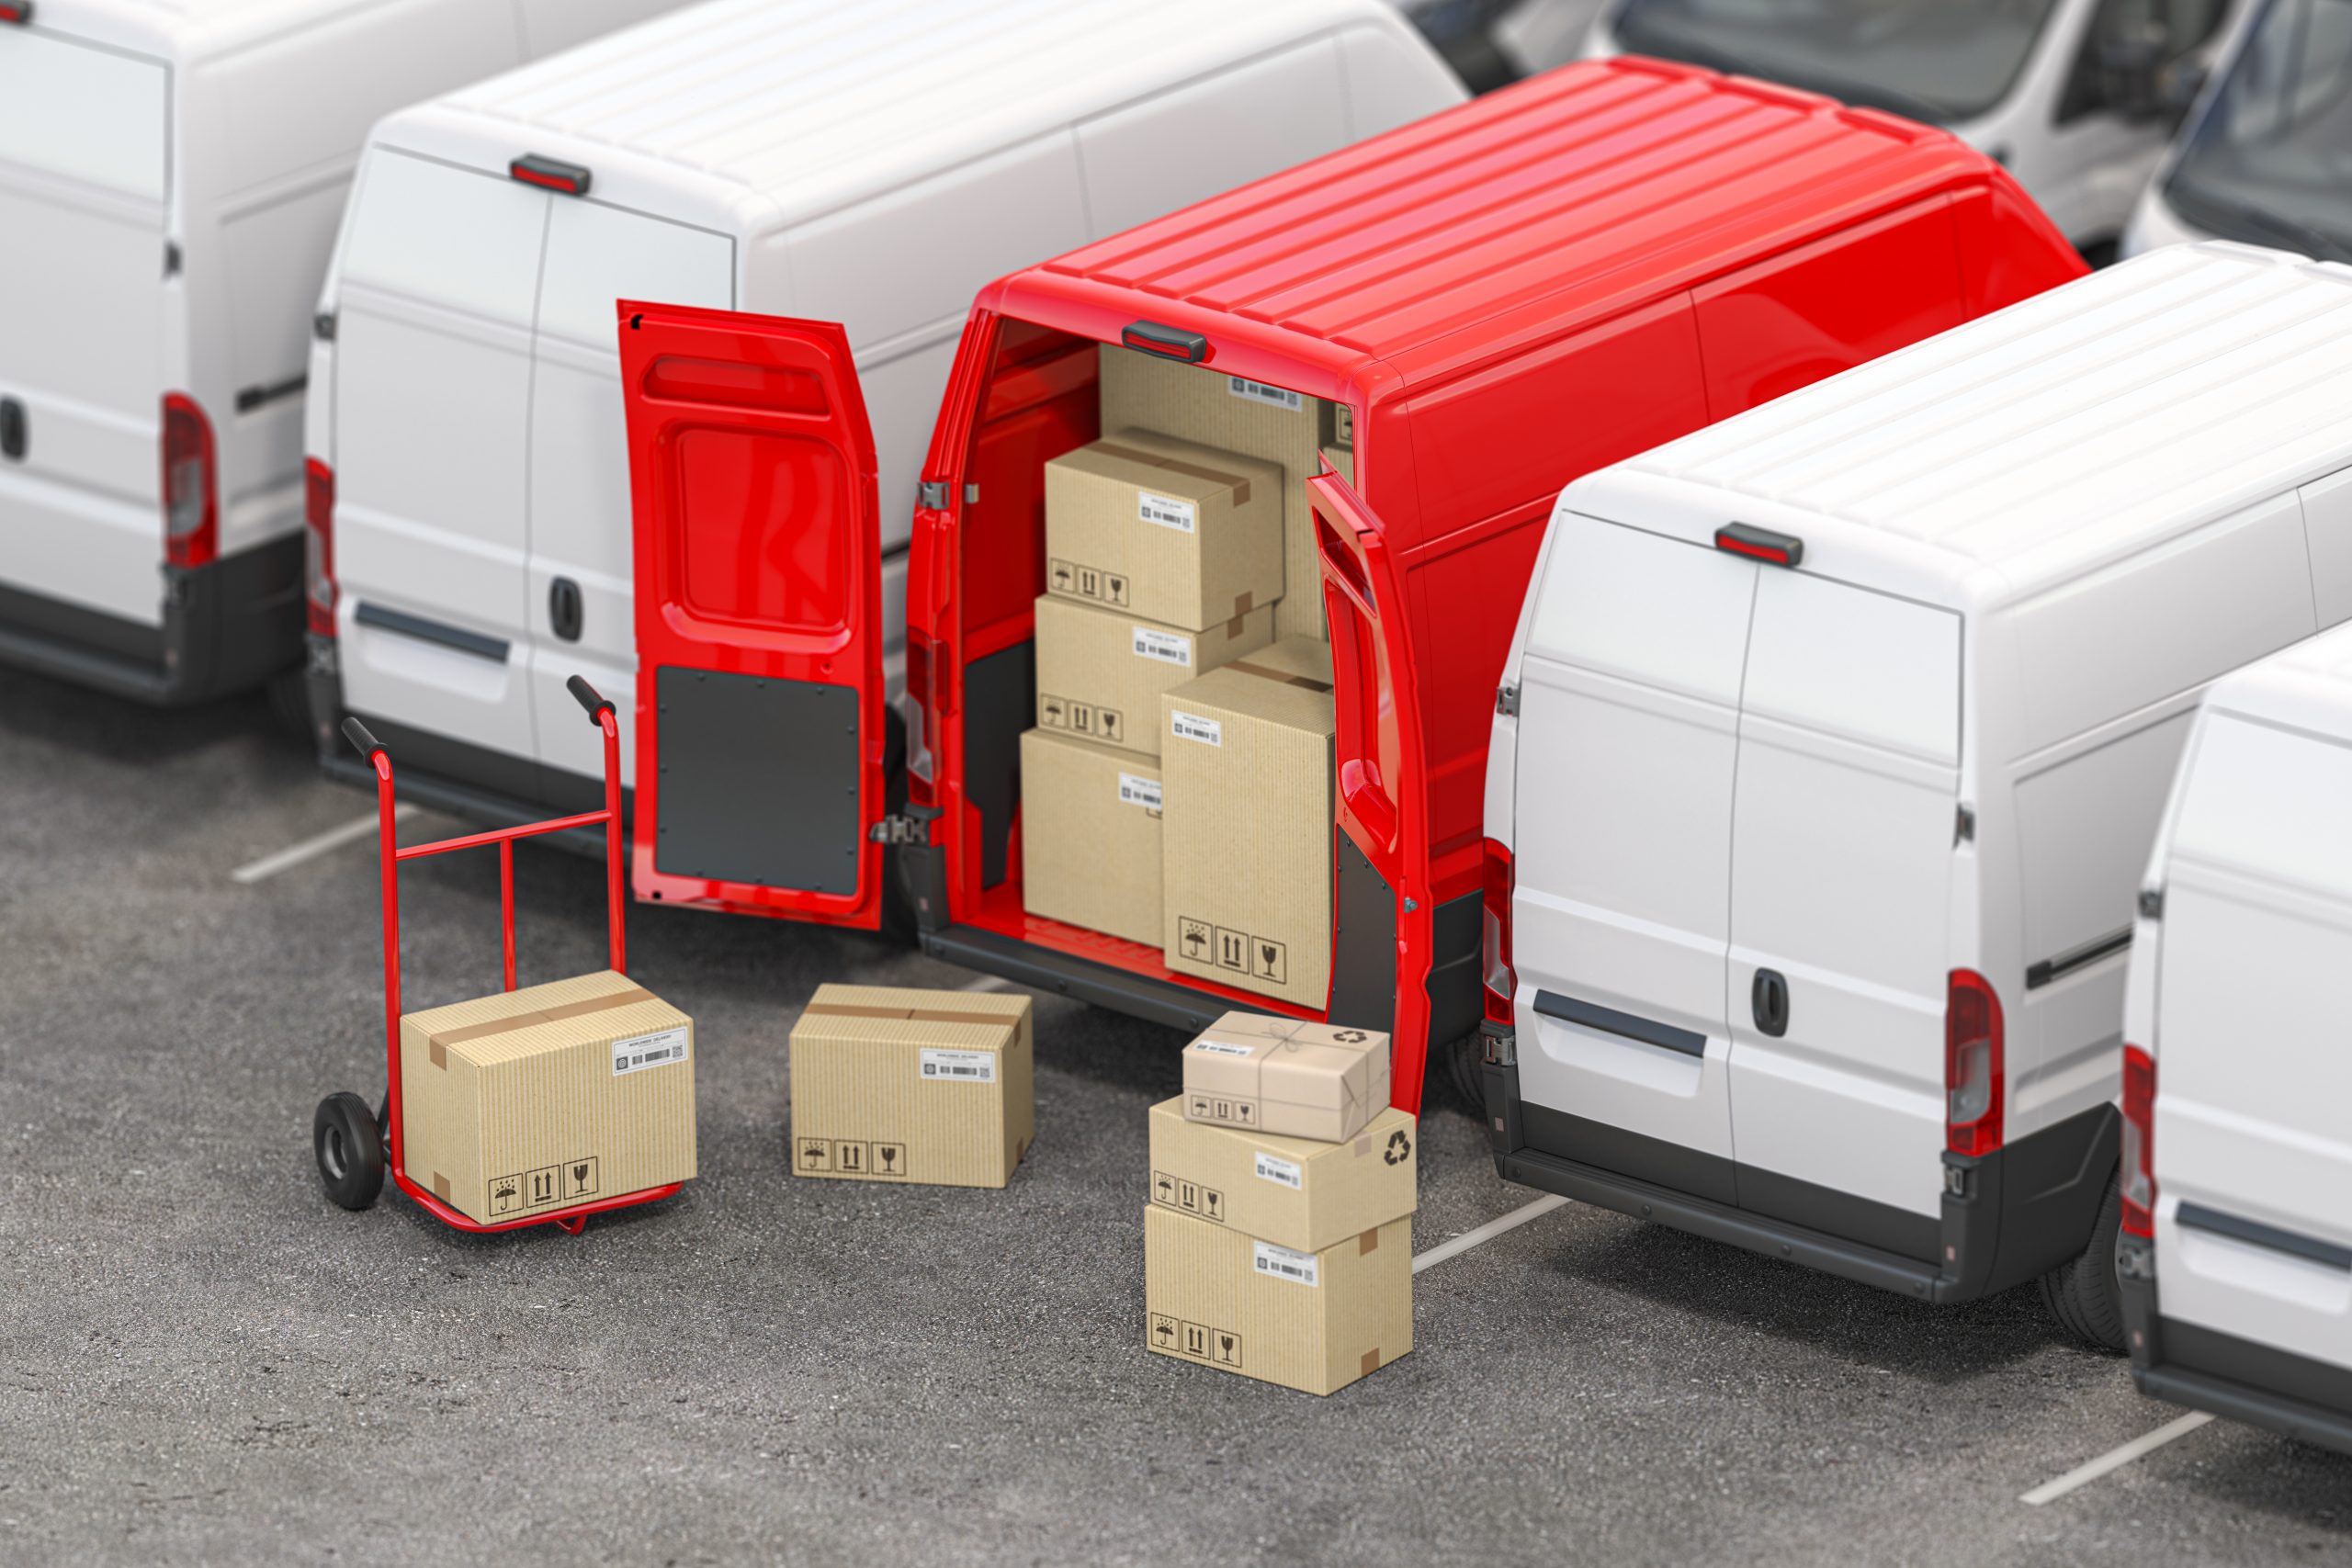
<point>12,430</point>
<point>1767,1000</point>
<point>564,608</point>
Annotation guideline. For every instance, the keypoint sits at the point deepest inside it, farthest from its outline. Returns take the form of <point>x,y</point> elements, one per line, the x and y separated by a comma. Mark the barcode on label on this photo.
<point>1258,392</point>
<point>1219,1048</point>
<point>1166,511</point>
<point>957,1066</point>
<point>1281,1262</point>
<point>1192,726</point>
<point>1166,646</point>
<point>1288,1173</point>
<point>1135,790</point>
<point>648,1050</point>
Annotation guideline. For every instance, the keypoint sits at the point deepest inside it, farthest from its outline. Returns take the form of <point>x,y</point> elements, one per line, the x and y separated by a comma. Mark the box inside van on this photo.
<point>1835,742</point>
<point>2236,1258</point>
<point>813,159</point>
<point>170,180</point>
<point>1451,319</point>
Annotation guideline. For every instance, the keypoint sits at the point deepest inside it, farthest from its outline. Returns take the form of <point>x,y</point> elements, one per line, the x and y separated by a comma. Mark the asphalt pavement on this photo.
<point>203,1362</point>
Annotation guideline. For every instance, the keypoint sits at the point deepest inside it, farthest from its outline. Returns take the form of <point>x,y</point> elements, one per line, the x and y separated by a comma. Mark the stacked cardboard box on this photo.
<point>1278,1241</point>
<point>1164,560</point>
<point>1246,855</point>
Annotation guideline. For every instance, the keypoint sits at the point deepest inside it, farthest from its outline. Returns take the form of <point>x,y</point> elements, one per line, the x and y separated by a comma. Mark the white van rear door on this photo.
<point>1628,731</point>
<point>435,298</point>
<point>2253,1072</point>
<point>84,162</point>
<point>579,620</point>
<point>1841,875</point>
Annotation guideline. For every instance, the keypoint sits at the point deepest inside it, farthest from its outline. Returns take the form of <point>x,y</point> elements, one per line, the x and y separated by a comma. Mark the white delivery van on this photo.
<point>2075,97</point>
<point>2237,1255</point>
<point>1829,752</point>
<point>170,173</point>
<point>2267,155</point>
<point>870,165</point>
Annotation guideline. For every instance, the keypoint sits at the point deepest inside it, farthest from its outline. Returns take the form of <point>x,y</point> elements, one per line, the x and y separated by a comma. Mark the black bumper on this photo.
<point>2007,1217</point>
<point>227,627</point>
<point>2204,1369</point>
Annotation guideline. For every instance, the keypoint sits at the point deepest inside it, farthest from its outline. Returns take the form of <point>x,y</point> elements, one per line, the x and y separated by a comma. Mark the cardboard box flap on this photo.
<point>970,1021</point>
<point>1144,458</point>
<point>508,1025</point>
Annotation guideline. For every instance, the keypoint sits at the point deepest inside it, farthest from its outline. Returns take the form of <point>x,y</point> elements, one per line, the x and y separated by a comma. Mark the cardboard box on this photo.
<point>1173,532</point>
<point>897,1085</point>
<point>1285,1077</point>
<point>1312,1321</point>
<point>1100,673</point>
<point>1090,835</point>
<point>1295,1192</point>
<point>533,1101</point>
<point>1234,414</point>
<point>1247,847</point>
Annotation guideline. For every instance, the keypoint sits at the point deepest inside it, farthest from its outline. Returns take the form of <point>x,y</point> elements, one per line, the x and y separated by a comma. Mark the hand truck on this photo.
<point>355,1145</point>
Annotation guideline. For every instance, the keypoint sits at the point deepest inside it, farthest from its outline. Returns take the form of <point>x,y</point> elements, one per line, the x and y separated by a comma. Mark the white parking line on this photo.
<point>2082,1475</point>
<point>1487,1232</point>
<point>311,848</point>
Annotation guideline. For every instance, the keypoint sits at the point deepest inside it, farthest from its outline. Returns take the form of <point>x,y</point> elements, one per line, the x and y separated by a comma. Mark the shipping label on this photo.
<point>657,1050</point>
<point>1192,726</point>
<point>1219,1048</point>
<point>1258,392</point>
<point>1283,1172</point>
<point>1166,646</point>
<point>1136,790</point>
<point>1281,1263</point>
<point>1167,511</point>
<point>957,1066</point>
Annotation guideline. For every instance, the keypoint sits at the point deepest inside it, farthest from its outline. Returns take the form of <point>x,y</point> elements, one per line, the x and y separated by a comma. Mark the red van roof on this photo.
<point>1542,206</point>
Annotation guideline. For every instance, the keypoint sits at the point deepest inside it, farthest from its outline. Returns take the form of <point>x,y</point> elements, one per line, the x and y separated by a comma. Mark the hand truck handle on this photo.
<point>586,696</point>
<point>356,733</point>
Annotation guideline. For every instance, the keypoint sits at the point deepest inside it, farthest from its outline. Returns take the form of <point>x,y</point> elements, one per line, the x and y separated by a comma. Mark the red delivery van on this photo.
<point>1464,314</point>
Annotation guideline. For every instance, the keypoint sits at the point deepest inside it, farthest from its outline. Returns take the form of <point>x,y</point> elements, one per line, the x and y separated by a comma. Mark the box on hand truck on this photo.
<point>531,1106</point>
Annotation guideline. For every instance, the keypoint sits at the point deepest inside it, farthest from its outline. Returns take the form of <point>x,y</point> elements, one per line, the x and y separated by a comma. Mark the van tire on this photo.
<point>289,701</point>
<point>1466,1064</point>
<point>2084,1294</point>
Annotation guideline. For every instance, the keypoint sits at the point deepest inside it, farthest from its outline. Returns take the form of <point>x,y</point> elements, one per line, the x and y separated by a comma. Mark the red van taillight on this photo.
<point>191,514</point>
<point>1972,1065</point>
<point>2139,1143</point>
<point>318,544</point>
<point>1501,981</point>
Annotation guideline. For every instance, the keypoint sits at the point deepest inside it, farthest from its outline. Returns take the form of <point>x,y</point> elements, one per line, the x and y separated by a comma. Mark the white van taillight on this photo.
<point>318,544</point>
<point>1501,980</point>
<point>1972,1065</point>
<point>2139,1143</point>
<point>191,515</point>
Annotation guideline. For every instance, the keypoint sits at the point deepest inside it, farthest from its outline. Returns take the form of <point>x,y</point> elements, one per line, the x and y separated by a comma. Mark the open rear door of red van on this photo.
<point>758,558</point>
<point>1382,798</point>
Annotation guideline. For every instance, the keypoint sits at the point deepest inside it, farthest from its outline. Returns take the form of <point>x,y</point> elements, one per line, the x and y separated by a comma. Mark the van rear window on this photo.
<point>2268,803</point>
<point>1861,665</point>
<point>91,115</point>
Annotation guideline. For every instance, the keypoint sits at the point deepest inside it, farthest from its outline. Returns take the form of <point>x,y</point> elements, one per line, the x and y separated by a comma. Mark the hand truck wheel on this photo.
<point>349,1144</point>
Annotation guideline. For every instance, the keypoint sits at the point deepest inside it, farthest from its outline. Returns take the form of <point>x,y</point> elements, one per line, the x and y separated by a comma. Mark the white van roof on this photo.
<point>186,30</point>
<point>805,106</point>
<point>2035,444</point>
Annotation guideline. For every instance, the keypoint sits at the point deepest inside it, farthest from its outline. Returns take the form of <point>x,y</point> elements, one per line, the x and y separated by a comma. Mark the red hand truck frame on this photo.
<point>355,1145</point>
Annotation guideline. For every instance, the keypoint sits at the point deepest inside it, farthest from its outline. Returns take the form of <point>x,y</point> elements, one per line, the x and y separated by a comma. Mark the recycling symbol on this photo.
<point>1399,1146</point>
<point>1351,1036</point>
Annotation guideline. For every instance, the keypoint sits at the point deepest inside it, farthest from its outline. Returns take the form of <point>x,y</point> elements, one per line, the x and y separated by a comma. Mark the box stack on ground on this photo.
<point>1180,634</point>
<point>891,1084</point>
<point>1278,1238</point>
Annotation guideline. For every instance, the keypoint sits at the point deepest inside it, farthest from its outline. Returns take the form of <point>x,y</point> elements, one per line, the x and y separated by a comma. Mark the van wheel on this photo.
<point>289,701</point>
<point>1466,1063</point>
<point>2084,1294</point>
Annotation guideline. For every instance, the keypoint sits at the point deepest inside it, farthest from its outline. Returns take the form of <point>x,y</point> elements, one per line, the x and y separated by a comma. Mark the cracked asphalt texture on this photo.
<point>201,1361</point>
